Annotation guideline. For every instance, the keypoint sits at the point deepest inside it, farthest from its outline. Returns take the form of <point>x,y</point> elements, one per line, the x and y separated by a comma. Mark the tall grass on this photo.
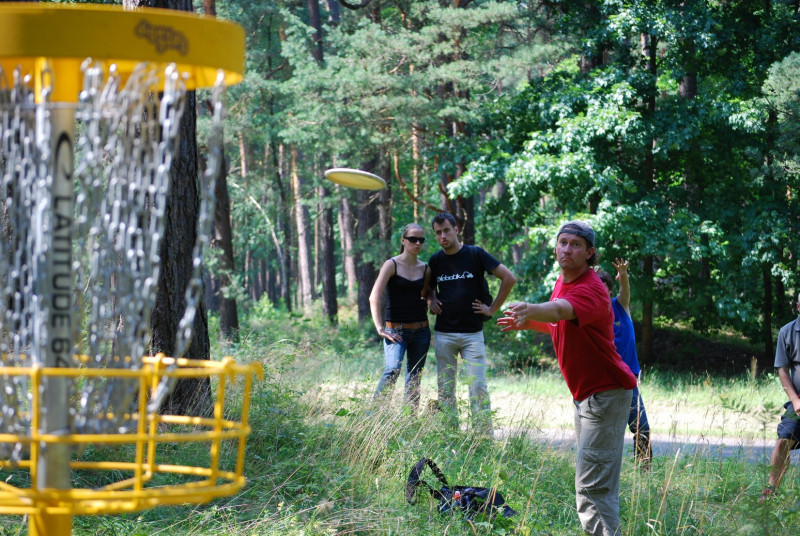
<point>324,460</point>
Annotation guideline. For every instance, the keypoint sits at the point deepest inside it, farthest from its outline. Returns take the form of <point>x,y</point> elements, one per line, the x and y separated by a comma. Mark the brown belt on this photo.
<point>407,325</point>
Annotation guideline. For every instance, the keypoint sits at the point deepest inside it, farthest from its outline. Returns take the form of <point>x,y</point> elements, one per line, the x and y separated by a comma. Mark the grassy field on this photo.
<point>323,460</point>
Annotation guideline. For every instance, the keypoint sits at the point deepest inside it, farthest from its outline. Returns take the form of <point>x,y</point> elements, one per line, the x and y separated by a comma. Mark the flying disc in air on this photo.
<point>355,178</point>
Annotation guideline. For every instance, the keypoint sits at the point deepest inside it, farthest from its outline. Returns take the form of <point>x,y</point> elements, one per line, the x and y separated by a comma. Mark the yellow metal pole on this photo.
<point>45,524</point>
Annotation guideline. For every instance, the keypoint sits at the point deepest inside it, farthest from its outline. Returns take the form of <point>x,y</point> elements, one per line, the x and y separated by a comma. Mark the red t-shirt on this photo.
<point>585,346</point>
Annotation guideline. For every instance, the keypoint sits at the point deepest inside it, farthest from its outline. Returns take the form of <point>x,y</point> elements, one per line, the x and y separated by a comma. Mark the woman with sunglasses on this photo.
<point>403,323</point>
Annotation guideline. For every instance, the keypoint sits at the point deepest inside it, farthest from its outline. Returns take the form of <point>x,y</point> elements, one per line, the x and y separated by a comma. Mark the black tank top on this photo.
<point>404,301</point>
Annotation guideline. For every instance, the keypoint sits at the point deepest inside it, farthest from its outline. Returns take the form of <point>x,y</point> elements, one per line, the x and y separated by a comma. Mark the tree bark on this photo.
<point>766,312</point>
<point>646,342</point>
<point>284,227</point>
<point>649,47</point>
<point>223,239</point>
<point>385,209</point>
<point>301,224</point>
<point>190,396</point>
<point>222,235</point>
<point>330,306</point>
<point>346,231</point>
<point>315,22</point>
<point>366,231</point>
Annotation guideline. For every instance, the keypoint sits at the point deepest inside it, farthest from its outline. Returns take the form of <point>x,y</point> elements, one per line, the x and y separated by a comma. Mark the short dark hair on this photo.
<point>444,217</point>
<point>606,278</point>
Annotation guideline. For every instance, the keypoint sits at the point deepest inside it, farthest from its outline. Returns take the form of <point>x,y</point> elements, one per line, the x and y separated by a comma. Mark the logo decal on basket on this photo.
<point>163,37</point>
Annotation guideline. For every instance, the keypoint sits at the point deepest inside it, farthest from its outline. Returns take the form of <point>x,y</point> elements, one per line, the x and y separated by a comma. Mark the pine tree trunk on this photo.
<point>301,227</point>
<point>649,47</point>
<point>366,231</point>
<point>346,231</point>
<point>766,313</point>
<point>330,306</point>
<point>284,227</point>
<point>317,245</point>
<point>190,396</point>
<point>228,312</point>
<point>385,210</point>
<point>646,341</point>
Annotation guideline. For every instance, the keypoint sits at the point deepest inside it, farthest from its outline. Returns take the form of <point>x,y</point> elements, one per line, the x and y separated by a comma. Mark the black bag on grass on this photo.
<point>469,499</point>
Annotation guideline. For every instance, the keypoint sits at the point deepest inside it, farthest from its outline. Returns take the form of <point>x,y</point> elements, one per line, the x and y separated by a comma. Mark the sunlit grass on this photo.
<point>324,460</point>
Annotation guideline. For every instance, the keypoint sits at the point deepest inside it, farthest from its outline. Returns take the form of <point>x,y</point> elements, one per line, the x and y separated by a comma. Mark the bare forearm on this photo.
<point>553,311</point>
<point>624,297</point>
<point>377,312</point>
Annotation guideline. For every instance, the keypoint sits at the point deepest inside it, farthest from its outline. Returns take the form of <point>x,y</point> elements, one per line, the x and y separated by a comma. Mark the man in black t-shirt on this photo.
<point>457,275</point>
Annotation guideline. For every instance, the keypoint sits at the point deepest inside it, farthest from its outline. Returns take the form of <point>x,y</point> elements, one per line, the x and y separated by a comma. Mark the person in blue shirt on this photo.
<point>625,342</point>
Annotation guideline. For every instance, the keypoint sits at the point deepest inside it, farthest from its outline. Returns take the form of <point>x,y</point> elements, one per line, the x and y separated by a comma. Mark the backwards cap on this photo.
<point>578,228</point>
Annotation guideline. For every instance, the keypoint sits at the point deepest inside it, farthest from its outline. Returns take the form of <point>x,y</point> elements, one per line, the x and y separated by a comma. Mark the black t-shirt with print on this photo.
<point>457,281</point>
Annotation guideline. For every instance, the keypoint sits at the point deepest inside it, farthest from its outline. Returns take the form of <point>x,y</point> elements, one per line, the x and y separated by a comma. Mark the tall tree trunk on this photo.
<point>305,291</point>
<point>766,312</point>
<point>317,245</point>
<point>346,231</point>
<point>222,235</point>
<point>272,288</point>
<point>284,227</point>
<point>385,209</point>
<point>330,306</point>
<point>366,231</point>
<point>646,340</point>
<point>415,154</point>
<point>766,268</point>
<point>190,396</point>
<point>223,239</point>
<point>649,48</point>
<point>315,22</point>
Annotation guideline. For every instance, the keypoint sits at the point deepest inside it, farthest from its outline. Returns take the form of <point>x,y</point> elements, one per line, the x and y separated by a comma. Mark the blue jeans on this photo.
<point>415,343</point>
<point>637,419</point>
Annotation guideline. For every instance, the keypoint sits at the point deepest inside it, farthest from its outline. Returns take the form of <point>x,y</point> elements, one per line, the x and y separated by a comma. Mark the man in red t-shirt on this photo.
<point>580,321</point>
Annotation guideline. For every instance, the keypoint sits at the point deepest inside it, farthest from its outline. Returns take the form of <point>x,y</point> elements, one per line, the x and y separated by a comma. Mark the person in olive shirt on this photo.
<point>457,276</point>
<point>787,361</point>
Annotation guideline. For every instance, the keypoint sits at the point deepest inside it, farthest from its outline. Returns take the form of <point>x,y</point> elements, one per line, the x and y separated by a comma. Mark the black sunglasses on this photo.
<point>415,239</point>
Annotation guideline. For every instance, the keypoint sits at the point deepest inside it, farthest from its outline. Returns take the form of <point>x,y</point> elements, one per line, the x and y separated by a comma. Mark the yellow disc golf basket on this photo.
<point>91,98</point>
<point>148,431</point>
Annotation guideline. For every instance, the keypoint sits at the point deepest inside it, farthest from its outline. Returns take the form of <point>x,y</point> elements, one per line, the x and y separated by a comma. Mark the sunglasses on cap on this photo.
<point>415,239</point>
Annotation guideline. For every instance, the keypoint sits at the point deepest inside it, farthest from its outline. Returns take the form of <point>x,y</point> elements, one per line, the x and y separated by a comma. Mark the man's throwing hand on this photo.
<point>515,317</point>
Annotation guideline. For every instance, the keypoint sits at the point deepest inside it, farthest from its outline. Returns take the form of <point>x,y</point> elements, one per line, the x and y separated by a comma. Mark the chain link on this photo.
<point>127,134</point>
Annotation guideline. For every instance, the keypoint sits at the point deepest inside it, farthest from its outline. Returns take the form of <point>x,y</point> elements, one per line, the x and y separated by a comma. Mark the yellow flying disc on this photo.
<point>56,38</point>
<point>355,178</point>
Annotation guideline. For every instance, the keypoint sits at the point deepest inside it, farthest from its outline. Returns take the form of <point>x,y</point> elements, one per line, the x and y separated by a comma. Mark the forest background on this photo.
<point>670,125</point>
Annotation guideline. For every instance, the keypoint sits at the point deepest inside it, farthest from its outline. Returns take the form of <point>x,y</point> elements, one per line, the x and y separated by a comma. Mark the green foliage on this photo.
<point>692,182</point>
<point>782,93</point>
